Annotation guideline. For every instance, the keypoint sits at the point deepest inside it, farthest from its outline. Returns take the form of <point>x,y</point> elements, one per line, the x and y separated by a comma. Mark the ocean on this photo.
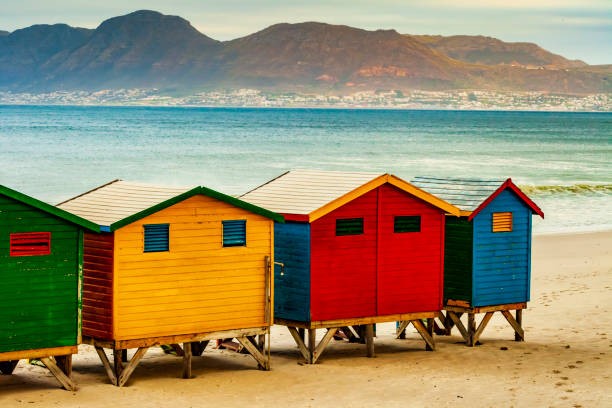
<point>563,161</point>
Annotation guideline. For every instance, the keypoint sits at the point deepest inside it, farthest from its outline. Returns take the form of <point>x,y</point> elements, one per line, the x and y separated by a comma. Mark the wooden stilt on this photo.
<point>107,367</point>
<point>63,379</point>
<point>430,344</point>
<point>471,329</point>
<point>519,321</point>
<point>312,338</point>
<point>302,333</point>
<point>177,349</point>
<point>262,360</point>
<point>299,340</point>
<point>518,330</point>
<point>118,364</point>
<point>430,329</point>
<point>481,326</point>
<point>7,367</point>
<point>401,330</point>
<point>124,356</point>
<point>187,360</point>
<point>323,344</point>
<point>455,318</point>
<point>131,366</point>
<point>64,363</point>
<point>369,338</point>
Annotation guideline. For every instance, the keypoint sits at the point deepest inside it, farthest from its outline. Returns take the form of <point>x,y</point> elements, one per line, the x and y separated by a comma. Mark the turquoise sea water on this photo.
<point>57,152</point>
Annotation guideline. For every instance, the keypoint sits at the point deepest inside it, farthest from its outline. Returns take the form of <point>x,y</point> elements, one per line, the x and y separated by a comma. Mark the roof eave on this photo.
<point>508,184</point>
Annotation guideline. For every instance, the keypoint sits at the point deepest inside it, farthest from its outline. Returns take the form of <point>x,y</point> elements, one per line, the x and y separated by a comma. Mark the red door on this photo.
<point>409,258</point>
<point>343,267</point>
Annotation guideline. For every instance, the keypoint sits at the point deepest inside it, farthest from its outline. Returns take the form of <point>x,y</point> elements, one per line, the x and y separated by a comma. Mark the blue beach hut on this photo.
<point>487,251</point>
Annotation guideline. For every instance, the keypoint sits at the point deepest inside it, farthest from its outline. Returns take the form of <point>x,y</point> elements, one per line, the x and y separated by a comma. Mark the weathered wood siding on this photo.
<point>343,268</point>
<point>410,264</point>
<point>292,289</point>
<point>197,286</point>
<point>98,285</point>
<point>501,259</point>
<point>38,294</point>
<point>458,252</point>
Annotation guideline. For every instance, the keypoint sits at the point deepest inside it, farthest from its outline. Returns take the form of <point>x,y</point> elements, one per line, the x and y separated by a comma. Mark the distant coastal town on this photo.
<point>387,99</point>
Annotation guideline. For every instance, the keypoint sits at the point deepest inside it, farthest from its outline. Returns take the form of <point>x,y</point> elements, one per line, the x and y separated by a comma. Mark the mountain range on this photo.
<point>147,49</point>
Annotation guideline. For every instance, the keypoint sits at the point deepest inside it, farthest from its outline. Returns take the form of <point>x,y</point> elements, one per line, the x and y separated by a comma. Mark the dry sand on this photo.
<point>565,362</point>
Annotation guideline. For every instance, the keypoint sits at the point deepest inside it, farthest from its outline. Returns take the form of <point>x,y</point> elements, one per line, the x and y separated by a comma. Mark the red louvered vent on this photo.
<point>31,243</point>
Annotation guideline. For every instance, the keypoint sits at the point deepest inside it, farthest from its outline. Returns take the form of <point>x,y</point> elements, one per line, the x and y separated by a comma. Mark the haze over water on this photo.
<point>54,153</point>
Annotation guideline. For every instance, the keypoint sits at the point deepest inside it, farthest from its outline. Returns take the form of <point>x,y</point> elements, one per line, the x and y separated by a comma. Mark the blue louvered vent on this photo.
<point>234,233</point>
<point>156,237</point>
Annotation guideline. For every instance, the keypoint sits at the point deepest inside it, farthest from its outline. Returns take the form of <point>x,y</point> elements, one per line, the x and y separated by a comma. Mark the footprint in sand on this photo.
<point>559,384</point>
<point>570,390</point>
<point>579,362</point>
<point>571,366</point>
<point>565,378</point>
<point>556,372</point>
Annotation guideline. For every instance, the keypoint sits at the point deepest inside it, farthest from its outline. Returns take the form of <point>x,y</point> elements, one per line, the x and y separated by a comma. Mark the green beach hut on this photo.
<point>41,265</point>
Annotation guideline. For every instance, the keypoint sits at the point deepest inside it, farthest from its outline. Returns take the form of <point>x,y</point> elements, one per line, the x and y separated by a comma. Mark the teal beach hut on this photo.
<point>487,250</point>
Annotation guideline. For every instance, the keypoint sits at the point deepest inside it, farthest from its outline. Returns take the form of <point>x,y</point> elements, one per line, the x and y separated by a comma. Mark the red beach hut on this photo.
<point>356,249</point>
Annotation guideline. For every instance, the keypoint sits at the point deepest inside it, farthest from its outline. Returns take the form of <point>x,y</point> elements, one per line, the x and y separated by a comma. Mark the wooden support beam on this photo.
<point>299,340</point>
<point>471,329</point>
<point>402,330</point>
<point>63,379</point>
<point>107,367</point>
<point>312,339</point>
<point>129,369</point>
<point>117,363</point>
<point>446,322</point>
<point>430,329</point>
<point>519,321</point>
<point>302,333</point>
<point>7,367</point>
<point>323,344</point>
<point>517,328</point>
<point>457,321</point>
<point>64,363</point>
<point>186,360</point>
<point>482,325</point>
<point>369,338</point>
<point>262,360</point>
<point>420,327</point>
<point>261,342</point>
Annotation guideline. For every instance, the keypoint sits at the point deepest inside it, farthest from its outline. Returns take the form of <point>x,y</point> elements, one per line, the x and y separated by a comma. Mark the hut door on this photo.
<point>408,261</point>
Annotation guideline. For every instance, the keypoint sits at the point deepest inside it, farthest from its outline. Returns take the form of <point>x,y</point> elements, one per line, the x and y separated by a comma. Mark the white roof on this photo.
<point>304,191</point>
<point>117,200</point>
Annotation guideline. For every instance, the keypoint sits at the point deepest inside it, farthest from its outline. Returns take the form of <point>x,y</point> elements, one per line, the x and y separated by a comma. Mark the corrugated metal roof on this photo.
<point>466,194</point>
<point>117,200</point>
<point>304,191</point>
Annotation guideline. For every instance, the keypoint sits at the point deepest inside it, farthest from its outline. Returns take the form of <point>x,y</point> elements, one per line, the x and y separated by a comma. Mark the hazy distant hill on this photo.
<point>149,49</point>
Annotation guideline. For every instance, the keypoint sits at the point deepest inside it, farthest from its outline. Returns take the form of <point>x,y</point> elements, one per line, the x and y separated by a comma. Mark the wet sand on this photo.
<point>565,362</point>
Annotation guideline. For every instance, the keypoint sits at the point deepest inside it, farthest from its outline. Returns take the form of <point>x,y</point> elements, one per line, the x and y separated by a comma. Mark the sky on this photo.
<point>576,29</point>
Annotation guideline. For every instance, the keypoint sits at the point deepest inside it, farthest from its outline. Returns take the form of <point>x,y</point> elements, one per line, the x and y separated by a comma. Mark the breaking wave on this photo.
<point>568,189</point>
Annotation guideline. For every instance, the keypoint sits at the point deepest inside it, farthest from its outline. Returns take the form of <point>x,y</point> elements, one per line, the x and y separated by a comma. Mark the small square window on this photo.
<point>349,226</point>
<point>30,243</point>
<point>234,233</point>
<point>411,223</point>
<point>156,237</point>
<point>502,222</point>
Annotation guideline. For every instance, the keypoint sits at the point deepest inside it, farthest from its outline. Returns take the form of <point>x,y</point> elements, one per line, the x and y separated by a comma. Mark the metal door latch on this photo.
<point>282,265</point>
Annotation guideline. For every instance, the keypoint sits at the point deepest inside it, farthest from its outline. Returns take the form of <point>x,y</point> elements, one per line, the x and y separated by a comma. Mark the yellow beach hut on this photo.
<point>173,265</point>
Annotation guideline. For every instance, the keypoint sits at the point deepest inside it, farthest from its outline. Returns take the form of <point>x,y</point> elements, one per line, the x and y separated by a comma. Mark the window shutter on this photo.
<point>349,226</point>
<point>411,223</point>
<point>30,243</point>
<point>156,237</point>
<point>502,222</point>
<point>234,233</point>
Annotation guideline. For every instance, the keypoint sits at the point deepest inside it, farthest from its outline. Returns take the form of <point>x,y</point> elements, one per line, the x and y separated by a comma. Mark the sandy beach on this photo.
<point>565,362</point>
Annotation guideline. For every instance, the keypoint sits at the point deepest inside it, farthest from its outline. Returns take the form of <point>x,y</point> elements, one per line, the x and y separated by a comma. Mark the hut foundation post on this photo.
<point>117,362</point>
<point>369,338</point>
<point>250,344</point>
<point>7,367</point>
<point>471,329</point>
<point>519,321</point>
<point>64,379</point>
<point>186,360</point>
<point>312,344</point>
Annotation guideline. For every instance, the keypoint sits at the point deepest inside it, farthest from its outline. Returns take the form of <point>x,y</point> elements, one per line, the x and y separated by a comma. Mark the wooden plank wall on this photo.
<point>501,259</point>
<point>410,264</point>
<point>98,285</point>
<point>197,286</point>
<point>343,268</point>
<point>458,244</point>
<point>292,289</point>
<point>38,294</point>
